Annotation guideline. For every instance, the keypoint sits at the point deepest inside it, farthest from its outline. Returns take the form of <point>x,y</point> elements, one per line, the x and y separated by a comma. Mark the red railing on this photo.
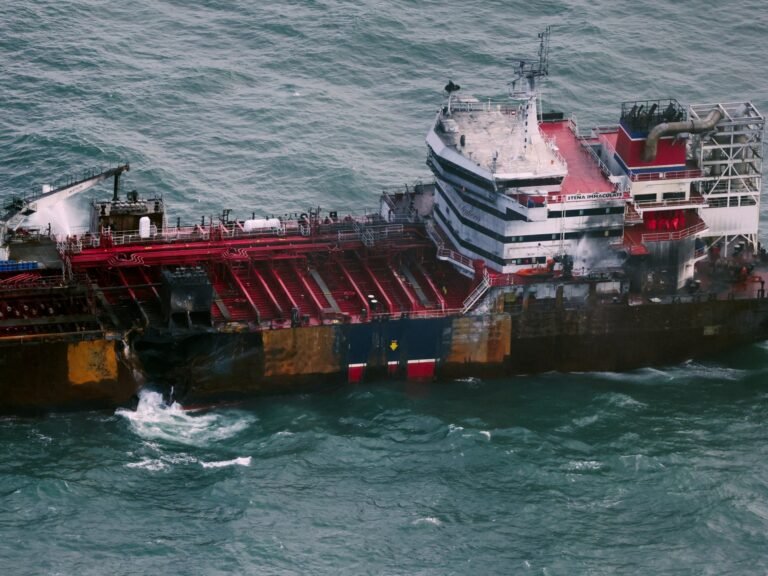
<point>674,235</point>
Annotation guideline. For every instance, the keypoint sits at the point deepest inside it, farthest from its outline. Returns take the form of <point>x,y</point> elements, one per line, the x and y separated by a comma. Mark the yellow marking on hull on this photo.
<point>91,361</point>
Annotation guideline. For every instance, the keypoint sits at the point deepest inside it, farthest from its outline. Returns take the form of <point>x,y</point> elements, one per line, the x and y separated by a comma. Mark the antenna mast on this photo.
<point>532,69</point>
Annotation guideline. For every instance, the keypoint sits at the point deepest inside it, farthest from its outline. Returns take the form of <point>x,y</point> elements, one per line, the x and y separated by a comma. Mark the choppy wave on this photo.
<point>240,461</point>
<point>168,461</point>
<point>153,419</point>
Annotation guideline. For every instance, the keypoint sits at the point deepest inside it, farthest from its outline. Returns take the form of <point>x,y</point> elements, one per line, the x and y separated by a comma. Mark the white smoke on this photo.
<point>592,253</point>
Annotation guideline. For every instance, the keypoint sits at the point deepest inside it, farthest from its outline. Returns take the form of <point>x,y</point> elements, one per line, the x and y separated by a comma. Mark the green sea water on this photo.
<point>276,107</point>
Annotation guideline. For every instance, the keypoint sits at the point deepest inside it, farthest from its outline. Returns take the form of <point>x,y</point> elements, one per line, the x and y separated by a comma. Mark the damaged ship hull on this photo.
<point>93,372</point>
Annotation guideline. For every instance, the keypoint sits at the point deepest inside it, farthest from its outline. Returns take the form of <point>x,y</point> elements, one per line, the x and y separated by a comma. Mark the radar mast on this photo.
<point>530,69</point>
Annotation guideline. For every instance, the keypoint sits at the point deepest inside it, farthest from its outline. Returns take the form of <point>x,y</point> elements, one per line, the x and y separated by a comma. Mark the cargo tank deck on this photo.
<point>331,271</point>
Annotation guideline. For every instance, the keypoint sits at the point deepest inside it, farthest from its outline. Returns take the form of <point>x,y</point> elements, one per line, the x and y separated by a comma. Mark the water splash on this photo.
<point>57,216</point>
<point>428,520</point>
<point>241,461</point>
<point>153,419</point>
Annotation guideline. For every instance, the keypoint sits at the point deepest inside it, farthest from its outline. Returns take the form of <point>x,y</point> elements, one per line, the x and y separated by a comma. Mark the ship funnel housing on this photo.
<point>643,145</point>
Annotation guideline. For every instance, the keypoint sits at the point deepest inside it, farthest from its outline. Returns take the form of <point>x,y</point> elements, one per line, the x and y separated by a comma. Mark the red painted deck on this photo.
<point>261,280</point>
<point>584,175</point>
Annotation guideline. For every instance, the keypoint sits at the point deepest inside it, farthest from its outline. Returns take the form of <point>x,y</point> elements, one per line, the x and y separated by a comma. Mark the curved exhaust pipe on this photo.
<point>666,128</point>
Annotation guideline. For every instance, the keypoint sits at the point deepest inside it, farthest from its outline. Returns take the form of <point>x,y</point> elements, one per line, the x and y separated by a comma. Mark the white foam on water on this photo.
<point>155,420</point>
<point>151,464</point>
<point>689,370</point>
<point>428,520</point>
<point>454,428</point>
<point>486,433</point>
<point>641,376</point>
<point>583,465</point>
<point>697,371</point>
<point>167,461</point>
<point>585,421</point>
<point>469,380</point>
<point>621,400</point>
<point>241,461</point>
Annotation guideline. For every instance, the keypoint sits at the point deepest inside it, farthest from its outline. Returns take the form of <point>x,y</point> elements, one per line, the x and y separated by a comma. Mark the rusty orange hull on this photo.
<point>103,371</point>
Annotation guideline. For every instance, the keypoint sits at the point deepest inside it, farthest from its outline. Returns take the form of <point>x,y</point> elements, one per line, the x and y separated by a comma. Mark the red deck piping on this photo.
<point>243,290</point>
<point>355,287</point>
<point>379,287</point>
<point>302,278</point>
<point>146,279</point>
<point>414,303</point>
<point>267,289</point>
<point>131,293</point>
<point>282,285</point>
<point>432,286</point>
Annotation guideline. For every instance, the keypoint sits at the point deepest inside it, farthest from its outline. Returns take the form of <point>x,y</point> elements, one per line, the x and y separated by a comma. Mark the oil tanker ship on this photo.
<point>535,247</point>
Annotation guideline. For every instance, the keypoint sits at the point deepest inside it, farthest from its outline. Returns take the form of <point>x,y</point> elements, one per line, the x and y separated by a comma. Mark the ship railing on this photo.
<point>673,175</point>
<point>18,200</point>
<point>502,280</point>
<point>69,245</point>
<point>489,105</point>
<point>596,158</point>
<point>601,129</point>
<point>369,227</point>
<point>412,217</point>
<point>551,144</point>
<point>402,212</point>
<point>476,294</point>
<point>631,215</point>
<point>22,280</point>
<point>674,235</point>
<point>174,234</point>
<point>428,313</point>
<point>446,254</point>
<point>455,258</point>
<point>694,199</point>
<point>371,234</point>
<point>344,236</point>
<point>31,281</point>
<point>600,133</point>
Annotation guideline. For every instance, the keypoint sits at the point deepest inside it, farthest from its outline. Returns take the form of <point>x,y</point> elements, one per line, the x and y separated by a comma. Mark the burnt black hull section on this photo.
<point>620,337</point>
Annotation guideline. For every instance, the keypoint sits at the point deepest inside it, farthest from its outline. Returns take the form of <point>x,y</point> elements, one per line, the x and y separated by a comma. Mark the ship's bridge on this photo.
<point>531,201</point>
<point>494,146</point>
